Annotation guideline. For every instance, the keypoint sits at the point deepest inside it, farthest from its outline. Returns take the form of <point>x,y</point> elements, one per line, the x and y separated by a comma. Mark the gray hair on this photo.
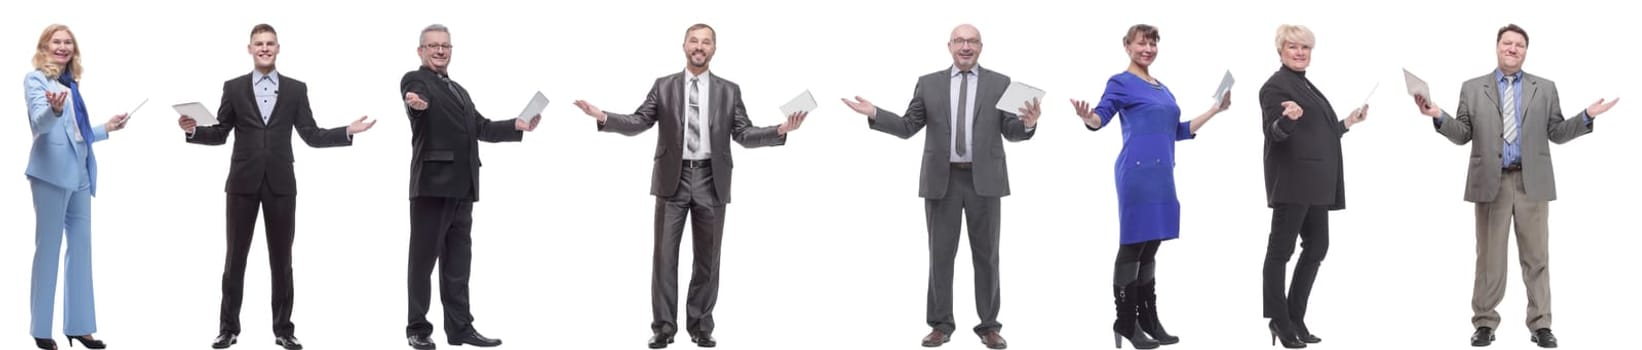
<point>431,28</point>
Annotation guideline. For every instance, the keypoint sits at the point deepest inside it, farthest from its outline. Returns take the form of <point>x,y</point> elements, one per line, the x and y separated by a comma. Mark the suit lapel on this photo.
<point>463,101</point>
<point>1490,88</point>
<point>722,109</point>
<point>674,86</point>
<point>943,106</point>
<point>1532,84</point>
<point>250,90</point>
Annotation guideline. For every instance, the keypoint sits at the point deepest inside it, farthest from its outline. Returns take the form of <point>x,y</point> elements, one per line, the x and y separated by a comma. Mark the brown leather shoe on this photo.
<point>993,340</point>
<point>936,338</point>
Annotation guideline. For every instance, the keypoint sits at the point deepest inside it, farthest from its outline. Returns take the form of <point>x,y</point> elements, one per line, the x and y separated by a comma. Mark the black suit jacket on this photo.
<point>665,104</point>
<point>445,137</point>
<point>1303,157</point>
<point>262,151</point>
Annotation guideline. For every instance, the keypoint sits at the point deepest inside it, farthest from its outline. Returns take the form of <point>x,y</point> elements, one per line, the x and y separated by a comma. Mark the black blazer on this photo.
<point>1303,157</point>
<point>445,137</point>
<point>262,152</point>
<point>665,105</point>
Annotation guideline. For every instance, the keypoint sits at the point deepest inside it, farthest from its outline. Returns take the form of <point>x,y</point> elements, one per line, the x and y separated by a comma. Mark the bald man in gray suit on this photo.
<point>1512,117</point>
<point>963,176</point>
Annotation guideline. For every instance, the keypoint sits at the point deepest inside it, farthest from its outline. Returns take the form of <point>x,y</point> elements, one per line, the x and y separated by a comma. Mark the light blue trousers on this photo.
<point>58,210</point>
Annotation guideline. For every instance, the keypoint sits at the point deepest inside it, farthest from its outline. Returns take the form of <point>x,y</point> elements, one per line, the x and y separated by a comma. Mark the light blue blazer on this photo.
<point>55,157</point>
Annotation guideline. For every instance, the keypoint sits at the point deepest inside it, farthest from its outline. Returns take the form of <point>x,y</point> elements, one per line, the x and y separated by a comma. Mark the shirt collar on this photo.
<point>256,76</point>
<point>704,75</point>
<point>1499,75</point>
<point>436,73</point>
<point>953,72</point>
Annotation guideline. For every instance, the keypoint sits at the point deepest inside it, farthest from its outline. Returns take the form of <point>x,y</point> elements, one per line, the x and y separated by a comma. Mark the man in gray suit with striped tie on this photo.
<point>1512,117</point>
<point>699,114</point>
<point>963,175</point>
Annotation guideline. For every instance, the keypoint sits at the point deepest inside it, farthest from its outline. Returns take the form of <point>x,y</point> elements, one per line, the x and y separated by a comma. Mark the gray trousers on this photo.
<point>944,217</point>
<point>1494,220</point>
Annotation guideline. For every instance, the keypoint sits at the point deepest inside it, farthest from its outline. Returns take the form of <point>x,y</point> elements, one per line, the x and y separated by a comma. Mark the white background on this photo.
<point>825,244</point>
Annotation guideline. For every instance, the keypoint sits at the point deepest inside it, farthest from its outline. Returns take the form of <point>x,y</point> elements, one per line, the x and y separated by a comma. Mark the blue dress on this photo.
<point>1146,199</point>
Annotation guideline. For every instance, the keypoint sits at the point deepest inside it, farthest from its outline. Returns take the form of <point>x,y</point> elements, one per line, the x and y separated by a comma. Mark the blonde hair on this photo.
<point>1298,34</point>
<point>42,54</point>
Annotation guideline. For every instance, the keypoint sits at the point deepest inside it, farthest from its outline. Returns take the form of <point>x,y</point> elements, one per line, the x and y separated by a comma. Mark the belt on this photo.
<point>964,166</point>
<point>698,163</point>
<point>1514,167</point>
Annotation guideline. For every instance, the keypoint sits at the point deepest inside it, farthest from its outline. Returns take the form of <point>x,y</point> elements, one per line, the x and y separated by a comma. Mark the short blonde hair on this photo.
<point>42,54</point>
<point>1298,34</point>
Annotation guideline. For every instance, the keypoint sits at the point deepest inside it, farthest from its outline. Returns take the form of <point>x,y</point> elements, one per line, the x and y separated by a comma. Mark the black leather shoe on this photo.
<point>660,341</point>
<point>225,340</point>
<point>1544,338</point>
<point>704,340</point>
<point>420,342</point>
<point>288,342</point>
<point>1483,337</point>
<point>475,339</point>
<point>1304,334</point>
<point>86,341</point>
<point>45,343</point>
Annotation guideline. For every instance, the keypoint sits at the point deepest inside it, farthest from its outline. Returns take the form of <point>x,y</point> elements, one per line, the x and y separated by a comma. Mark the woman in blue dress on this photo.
<point>1149,211</point>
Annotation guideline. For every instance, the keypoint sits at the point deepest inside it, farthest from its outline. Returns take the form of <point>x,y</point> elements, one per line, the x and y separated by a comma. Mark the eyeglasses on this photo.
<point>437,46</point>
<point>971,42</point>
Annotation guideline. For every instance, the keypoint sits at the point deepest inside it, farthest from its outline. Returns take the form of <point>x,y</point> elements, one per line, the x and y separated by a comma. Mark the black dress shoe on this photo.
<point>1304,334</point>
<point>704,340</point>
<point>288,342</point>
<point>475,339</point>
<point>660,341</point>
<point>45,343</point>
<point>89,343</point>
<point>1483,337</point>
<point>1544,338</point>
<point>420,342</point>
<point>225,340</point>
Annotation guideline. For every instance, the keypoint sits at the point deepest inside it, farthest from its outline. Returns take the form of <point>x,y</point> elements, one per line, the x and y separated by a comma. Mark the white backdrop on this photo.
<point>825,244</point>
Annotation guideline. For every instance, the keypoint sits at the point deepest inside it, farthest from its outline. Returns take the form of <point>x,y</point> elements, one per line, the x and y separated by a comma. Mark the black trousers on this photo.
<point>1310,225</point>
<point>944,218</point>
<point>696,200</point>
<point>280,223</point>
<point>441,232</point>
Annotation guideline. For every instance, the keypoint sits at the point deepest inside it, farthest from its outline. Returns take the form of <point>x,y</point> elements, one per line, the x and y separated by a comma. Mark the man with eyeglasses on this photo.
<point>445,134</point>
<point>963,174</point>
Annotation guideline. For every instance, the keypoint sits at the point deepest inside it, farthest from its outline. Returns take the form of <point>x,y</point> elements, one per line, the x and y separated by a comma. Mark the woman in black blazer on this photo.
<point>1304,181</point>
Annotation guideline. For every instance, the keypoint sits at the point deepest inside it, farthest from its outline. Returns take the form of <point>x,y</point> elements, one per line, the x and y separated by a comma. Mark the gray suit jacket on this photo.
<point>666,104</point>
<point>1479,117</point>
<point>932,106</point>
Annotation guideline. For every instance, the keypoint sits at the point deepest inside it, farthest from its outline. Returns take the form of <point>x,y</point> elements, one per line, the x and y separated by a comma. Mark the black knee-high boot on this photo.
<point>1125,297</point>
<point>1147,295</point>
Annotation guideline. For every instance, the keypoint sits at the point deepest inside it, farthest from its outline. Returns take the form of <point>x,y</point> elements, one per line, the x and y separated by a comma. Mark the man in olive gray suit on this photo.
<point>964,174</point>
<point>1512,116</point>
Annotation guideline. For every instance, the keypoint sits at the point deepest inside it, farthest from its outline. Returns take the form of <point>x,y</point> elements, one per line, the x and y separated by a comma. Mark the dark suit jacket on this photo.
<point>666,103</point>
<point>263,151</point>
<point>445,137</point>
<point>1303,158</point>
<point>932,106</point>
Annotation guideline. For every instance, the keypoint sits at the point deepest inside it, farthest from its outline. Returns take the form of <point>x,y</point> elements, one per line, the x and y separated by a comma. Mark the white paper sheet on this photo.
<point>804,102</point>
<point>1225,86</point>
<point>1017,96</point>
<point>537,104</point>
<point>197,112</point>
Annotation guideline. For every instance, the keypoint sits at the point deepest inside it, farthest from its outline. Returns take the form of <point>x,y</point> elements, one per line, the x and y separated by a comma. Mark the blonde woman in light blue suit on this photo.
<point>62,173</point>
